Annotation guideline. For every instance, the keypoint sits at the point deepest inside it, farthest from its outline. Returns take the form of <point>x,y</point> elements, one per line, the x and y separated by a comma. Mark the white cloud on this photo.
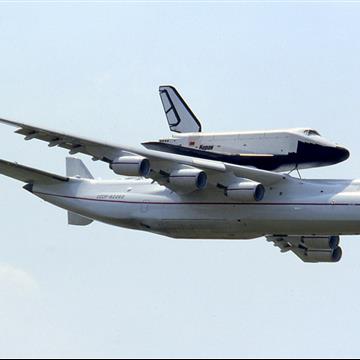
<point>16,281</point>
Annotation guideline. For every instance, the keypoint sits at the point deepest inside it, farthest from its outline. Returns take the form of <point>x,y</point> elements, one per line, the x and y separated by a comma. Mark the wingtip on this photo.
<point>29,187</point>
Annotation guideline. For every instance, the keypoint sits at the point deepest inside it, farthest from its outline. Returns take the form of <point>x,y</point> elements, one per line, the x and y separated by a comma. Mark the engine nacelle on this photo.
<point>248,191</point>
<point>324,256</point>
<point>321,242</point>
<point>188,180</point>
<point>131,166</point>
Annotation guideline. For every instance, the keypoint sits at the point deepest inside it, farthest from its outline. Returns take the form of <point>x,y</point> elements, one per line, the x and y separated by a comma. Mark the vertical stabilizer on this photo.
<point>78,220</point>
<point>75,167</point>
<point>179,116</point>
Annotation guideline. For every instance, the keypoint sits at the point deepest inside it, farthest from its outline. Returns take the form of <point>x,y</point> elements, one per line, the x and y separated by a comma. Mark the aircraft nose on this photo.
<point>342,153</point>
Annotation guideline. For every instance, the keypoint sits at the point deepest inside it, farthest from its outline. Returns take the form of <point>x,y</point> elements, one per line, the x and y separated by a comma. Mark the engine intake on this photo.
<point>246,191</point>
<point>188,180</point>
<point>131,166</point>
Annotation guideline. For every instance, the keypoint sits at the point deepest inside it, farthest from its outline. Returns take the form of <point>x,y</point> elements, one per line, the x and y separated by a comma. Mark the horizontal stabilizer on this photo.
<point>78,220</point>
<point>29,175</point>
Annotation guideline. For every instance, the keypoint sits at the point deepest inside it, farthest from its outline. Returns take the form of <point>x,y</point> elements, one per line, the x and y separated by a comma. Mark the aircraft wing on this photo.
<point>75,144</point>
<point>161,162</point>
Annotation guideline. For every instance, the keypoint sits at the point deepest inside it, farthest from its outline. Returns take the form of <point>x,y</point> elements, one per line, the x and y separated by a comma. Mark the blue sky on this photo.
<point>94,70</point>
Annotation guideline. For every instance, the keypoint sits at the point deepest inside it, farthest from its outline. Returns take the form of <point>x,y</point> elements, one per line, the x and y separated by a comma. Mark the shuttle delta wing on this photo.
<point>179,116</point>
<point>161,163</point>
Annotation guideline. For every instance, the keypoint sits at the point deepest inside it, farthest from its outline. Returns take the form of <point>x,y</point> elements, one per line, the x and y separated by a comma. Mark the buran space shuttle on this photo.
<point>274,150</point>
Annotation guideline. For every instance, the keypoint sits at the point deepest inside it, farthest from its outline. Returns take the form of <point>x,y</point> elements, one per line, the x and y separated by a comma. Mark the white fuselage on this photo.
<point>260,142</point>
<point>281,150</point>
<point>311,207</point>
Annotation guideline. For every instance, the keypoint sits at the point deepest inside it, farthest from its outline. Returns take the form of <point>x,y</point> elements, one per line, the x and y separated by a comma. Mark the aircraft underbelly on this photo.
<point>247,221</point>
<point>228,230</point>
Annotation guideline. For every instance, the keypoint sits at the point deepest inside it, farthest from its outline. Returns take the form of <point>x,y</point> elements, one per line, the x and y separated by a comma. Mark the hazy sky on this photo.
<point>94,70</point>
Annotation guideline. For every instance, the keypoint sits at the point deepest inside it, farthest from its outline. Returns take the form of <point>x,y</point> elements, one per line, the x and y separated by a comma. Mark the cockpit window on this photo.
<point>311,133</point>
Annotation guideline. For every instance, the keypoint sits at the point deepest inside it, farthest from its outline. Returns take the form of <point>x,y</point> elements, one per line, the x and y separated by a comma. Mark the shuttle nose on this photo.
<point>342,154</point>
<point>322,153</point>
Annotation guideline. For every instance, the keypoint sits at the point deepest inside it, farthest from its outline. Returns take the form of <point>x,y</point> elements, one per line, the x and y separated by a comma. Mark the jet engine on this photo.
<point>324,256</point>
<point>247,191</point>
<point>310,249</point>
<point>131,166</point>
<point>321,242</point>
<point>188,180</point>
<point>322,248</point>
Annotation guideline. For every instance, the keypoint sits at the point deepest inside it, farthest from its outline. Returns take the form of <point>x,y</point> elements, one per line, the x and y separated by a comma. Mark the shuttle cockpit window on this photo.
<point>311,133</point>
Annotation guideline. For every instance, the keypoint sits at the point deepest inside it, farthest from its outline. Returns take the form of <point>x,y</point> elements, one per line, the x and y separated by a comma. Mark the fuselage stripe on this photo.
<point>192,203</point>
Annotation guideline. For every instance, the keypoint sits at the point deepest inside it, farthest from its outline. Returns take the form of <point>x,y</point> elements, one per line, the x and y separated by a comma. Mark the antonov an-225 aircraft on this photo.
<point>194,197</point>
